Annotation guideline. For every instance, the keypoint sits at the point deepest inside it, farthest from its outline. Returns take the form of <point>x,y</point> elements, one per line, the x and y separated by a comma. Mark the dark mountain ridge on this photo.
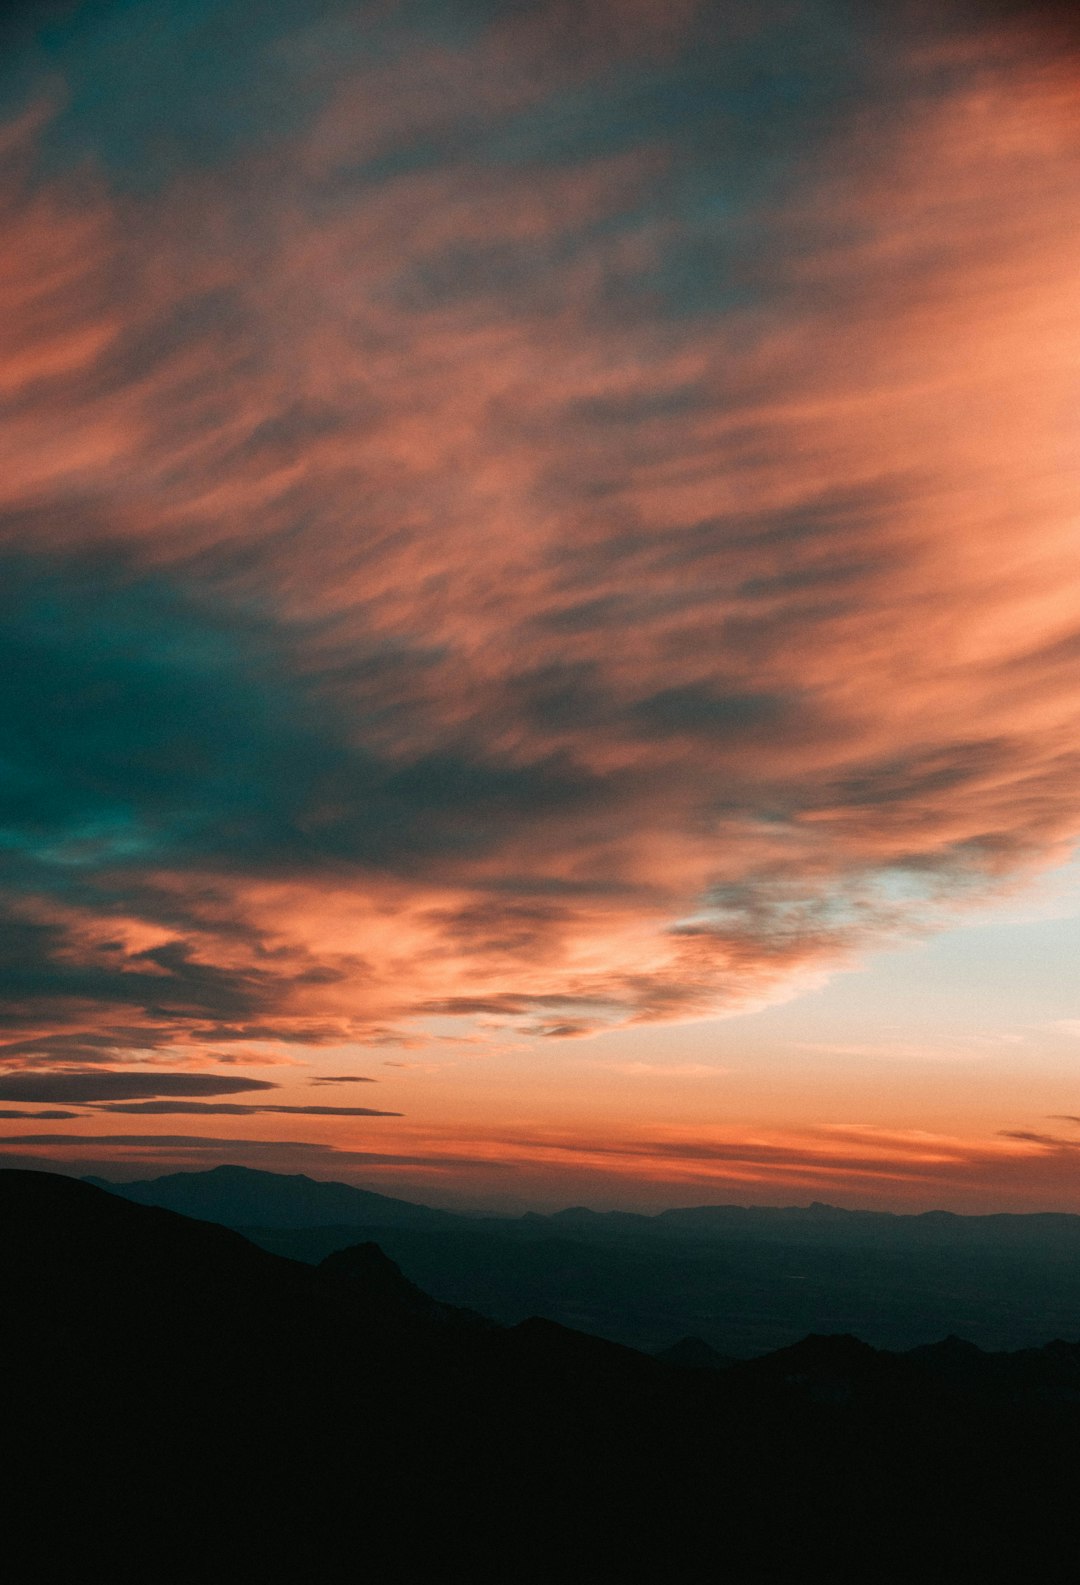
<point>200,1409</point>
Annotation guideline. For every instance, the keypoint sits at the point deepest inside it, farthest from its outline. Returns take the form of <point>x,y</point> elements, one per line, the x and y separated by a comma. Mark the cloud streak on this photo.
<point>235,1109</point>
<point>118,1085</point>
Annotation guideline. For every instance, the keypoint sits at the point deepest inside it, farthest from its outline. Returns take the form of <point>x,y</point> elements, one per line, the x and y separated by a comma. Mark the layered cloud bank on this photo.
<point>559,516</point>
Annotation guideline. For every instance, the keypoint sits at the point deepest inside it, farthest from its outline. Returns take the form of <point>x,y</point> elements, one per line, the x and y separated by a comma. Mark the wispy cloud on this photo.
<point>665,1070</point>
<point>935,1048</point>
<point>843,1162</point>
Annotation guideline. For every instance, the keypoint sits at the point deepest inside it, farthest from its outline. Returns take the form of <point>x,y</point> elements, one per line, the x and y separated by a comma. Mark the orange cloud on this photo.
<point>601,658</point>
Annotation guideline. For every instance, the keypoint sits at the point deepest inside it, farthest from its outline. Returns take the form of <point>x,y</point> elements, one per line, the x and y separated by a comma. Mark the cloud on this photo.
<point>84,1088</point>
<point>79,1049</point>
<point>1030,1137</point>
<point>666,1070</point>
<point>52,1116</point>
<point>846,1163</point>
<point>207,1142</point>
<point>965,1048</point>
<point>235,1110</point>
<point>197,1150</point>
<point>570,523</point>
<point>342,1078</point>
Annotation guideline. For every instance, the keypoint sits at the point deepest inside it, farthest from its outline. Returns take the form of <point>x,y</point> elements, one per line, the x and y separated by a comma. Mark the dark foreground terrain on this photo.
<point>183,1406</point>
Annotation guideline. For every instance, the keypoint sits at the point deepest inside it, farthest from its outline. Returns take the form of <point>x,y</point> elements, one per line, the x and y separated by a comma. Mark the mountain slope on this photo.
<point>197,1409</point>
<point>211,1411</point>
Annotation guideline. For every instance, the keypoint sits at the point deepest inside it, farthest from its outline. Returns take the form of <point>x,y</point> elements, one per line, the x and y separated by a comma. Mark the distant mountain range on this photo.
<point>184,1406</point>
<point>228,1194</point>
<point>743,1280</point>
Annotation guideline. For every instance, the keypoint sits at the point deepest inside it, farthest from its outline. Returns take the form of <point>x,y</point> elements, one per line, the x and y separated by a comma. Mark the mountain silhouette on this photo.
<point>187,1407</point>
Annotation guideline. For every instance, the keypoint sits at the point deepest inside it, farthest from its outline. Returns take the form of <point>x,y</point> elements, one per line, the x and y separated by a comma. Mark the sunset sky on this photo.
<point>540,597</point>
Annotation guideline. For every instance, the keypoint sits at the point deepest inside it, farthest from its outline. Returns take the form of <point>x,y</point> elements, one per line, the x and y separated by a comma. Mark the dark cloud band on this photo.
<point>117,1085</point>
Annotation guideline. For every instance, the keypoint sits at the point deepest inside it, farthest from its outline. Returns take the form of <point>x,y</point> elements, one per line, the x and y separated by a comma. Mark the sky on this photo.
<point>540,597</point>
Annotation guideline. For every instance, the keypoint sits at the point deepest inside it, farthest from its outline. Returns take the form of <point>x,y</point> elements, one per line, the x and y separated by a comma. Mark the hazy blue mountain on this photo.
<point>824,1224</point>
<point>245,1197</point>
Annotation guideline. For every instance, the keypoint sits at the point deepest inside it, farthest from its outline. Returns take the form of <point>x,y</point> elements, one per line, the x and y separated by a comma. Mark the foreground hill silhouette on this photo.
<point>744,1280</point>
<point>187,1407</point>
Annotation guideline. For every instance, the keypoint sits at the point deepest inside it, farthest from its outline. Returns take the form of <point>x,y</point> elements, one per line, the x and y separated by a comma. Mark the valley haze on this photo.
<point>741,1279</point>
